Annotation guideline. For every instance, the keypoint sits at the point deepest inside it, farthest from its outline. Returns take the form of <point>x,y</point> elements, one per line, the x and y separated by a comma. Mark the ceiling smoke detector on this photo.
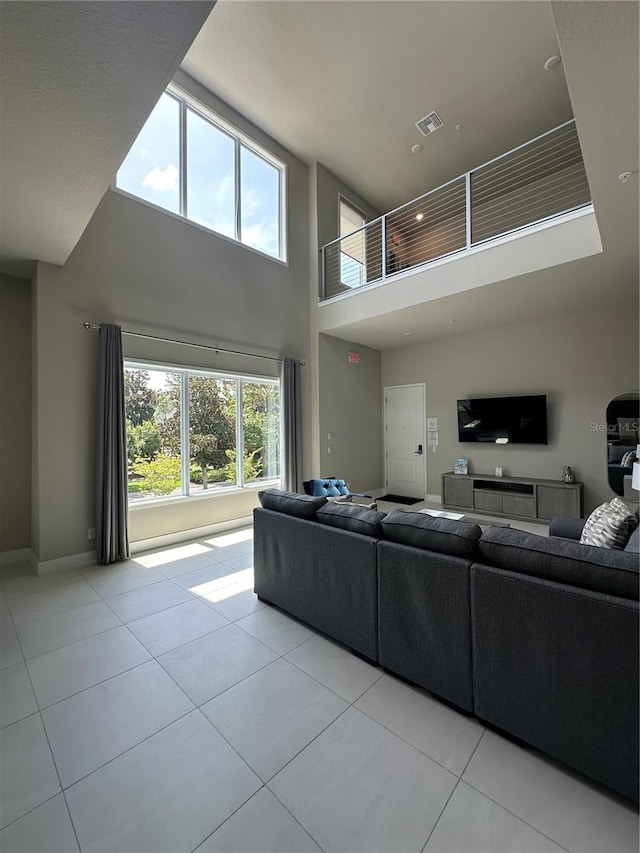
<point>429,124</point>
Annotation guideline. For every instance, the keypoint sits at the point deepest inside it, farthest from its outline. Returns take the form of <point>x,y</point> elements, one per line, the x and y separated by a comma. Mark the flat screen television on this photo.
<point>503,420</point>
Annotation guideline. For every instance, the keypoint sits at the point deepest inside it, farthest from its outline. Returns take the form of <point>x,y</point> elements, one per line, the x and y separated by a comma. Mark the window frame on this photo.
<point>343,200</point>
<point>186,101</point>
<point>184,371</point>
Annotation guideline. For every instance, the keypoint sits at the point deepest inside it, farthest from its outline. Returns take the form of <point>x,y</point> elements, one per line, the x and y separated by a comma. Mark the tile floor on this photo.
<point>157,705</point>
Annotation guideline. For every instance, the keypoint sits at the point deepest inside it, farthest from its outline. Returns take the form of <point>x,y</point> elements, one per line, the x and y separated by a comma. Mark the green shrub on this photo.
<point>161,475</point>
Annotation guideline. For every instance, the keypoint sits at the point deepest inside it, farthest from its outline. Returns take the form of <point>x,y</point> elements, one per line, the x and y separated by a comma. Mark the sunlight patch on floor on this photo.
<point>226,587</point>
<point>171,555</point>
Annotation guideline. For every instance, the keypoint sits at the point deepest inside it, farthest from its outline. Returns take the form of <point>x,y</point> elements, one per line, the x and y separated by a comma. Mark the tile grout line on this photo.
<point>73,642</point>
<point>33,809</point>
<point>516,816</point>
<point>62,790</point>
<point>413,746</point>
<point>459,779</point>
<point>53,759</point>
<point>322,684</point>
<point>262,788</point>
<point>66,788</point>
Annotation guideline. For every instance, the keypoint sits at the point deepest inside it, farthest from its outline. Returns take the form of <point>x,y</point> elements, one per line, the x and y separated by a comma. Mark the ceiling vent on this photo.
<point>429,123</point>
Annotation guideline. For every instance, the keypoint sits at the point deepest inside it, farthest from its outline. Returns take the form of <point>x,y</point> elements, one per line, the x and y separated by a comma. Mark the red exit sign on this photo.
<point>354,357</point>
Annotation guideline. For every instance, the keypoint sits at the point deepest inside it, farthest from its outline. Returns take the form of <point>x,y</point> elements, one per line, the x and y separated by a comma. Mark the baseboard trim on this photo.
<point>192,533</point>
<point>73,561</point>
<point>436,499</point>
<point>19,555</point>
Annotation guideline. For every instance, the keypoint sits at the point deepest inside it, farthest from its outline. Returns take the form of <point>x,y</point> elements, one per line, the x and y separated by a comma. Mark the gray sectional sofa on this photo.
<point>536,636</point>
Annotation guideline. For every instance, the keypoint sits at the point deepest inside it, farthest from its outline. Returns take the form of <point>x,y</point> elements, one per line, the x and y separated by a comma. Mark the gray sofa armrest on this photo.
<point>566,528</point>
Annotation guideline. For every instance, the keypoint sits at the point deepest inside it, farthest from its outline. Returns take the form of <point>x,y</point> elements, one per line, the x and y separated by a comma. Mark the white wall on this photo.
<point>15,413</point>
<point>580,361</point>
<point>350,411</point>
<point>345,399</point>
<point>153,273</point>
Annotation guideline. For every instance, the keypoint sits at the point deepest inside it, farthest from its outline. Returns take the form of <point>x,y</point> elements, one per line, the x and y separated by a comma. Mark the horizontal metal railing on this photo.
<point>538,180</point>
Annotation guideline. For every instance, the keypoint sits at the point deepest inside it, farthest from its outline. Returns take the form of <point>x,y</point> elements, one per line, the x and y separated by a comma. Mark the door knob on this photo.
<point>419,450</point>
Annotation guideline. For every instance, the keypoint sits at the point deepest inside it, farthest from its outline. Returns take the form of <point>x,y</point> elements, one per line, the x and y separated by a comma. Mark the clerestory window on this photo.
<point>192,163</point>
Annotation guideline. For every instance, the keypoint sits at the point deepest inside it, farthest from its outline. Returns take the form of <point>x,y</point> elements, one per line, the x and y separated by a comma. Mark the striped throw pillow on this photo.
<point>628,459</point>
<point>609,526</point>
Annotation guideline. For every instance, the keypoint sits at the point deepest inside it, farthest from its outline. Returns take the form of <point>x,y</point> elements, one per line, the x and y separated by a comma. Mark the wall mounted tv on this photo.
<point>503,420</point>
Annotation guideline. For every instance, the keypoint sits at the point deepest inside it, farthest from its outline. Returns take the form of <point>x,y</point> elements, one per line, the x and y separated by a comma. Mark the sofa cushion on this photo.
<point>560,560</point>
<point>291,503</point>
<point>609,526</point>
<point>357,519</point>
<point>442,535</point>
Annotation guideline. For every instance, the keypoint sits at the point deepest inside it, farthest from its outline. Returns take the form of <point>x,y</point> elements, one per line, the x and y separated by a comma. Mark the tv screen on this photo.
<point>503,420</point>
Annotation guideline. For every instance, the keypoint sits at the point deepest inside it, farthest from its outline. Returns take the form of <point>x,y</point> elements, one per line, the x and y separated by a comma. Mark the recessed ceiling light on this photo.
<point>451,322</point>
<point>552,62</point>
<point>420,216</point>
<point>416,149</point>
<point>407,334</point>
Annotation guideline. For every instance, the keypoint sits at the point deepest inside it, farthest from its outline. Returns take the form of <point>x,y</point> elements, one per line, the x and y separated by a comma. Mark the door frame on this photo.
<point>386,388</point>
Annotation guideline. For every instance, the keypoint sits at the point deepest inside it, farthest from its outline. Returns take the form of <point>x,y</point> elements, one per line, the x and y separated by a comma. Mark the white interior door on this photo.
<point>405,445</point>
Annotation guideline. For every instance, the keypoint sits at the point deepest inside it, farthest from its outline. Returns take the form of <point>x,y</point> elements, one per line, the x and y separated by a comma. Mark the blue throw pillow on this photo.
<point>319,488</point>
<point>342,487</point>
<point>332,488</point>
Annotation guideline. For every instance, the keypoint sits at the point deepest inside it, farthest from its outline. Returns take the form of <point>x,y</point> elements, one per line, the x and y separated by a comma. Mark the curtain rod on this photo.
<point>96,327</point>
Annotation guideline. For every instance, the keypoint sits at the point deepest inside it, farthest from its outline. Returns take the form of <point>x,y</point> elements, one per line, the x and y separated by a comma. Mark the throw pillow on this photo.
<point>628,459</point>
<point>319,488</point>
<point>342,487</point>
<point>609,526</point>
<point>332,488</point>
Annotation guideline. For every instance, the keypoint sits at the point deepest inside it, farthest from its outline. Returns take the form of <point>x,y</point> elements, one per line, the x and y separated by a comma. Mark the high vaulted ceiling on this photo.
<point>344,83</point>
<point>77,82</point>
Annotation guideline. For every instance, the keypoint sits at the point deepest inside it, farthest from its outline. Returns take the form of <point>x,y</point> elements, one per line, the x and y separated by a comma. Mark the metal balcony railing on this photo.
<point>537,181</point>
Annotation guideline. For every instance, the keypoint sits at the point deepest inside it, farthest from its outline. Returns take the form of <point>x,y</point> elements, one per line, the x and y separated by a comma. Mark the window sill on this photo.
<point>150,503</point>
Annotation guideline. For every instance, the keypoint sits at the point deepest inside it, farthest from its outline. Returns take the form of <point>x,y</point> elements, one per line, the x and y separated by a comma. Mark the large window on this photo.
<point>190,162</point>
<point>186,431</point>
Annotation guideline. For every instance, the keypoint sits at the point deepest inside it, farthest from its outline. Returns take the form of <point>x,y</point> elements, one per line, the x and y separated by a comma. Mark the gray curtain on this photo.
<point>112,523</point>
<point>291,420</point>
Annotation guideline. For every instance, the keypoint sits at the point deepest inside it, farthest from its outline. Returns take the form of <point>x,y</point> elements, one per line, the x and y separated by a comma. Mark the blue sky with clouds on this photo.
<point>150,171</point>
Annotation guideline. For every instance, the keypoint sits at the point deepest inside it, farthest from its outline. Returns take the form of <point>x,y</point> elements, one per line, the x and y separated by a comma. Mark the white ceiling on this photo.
<point>78,82</point>
<point>343,83</point>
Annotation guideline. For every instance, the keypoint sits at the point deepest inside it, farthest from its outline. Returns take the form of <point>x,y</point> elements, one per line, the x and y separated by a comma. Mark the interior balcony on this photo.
<point>527,210</point>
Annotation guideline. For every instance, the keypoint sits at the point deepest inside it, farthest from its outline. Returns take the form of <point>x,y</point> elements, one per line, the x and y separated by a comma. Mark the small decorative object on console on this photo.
<point>461,466</point>
<point>567,475</point>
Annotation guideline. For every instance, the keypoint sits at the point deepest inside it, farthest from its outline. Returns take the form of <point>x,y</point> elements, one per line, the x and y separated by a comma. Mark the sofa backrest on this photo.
<point>561,560</point>
<point>291,503</point>
<point>352,517</point>
<point>441,535</point>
